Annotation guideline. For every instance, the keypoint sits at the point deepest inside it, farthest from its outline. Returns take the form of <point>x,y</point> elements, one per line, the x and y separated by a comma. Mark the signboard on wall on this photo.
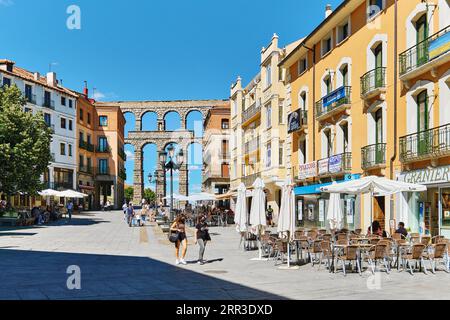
<point>321,210</point>
<point>300,210</point>
<point>349,211</point>
<point>322,166</point>
<point>427,176</point>
<point>294,121</point>
<point>307,170</point>
<point>439,46</point>
<point>334,96</point>
<point>335,164</point>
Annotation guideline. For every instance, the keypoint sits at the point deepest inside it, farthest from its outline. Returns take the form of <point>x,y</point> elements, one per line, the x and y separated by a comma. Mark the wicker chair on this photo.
<point>358,231</point>
<point>327,237</point>
<point>439,255</point>
<point>425,240</point>
<point>342,242</point>
<point>416,255</point>
<point>350,254</point>
<point>313,234</point>
<point>303,245</point>
<point>437,239</point>
<point>326,252</point>
<point>379,253</point>
<point>316,250</point>
<point>281,249</point>
<point>415,238</point>
<point>342,236</point>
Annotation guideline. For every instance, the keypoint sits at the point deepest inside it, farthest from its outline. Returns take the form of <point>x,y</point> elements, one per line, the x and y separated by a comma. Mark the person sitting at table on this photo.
<point>401,230</point>
<point>376,229</point>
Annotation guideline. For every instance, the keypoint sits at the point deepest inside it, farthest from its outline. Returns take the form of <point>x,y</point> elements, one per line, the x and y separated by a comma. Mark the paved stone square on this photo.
<point>119,262</point>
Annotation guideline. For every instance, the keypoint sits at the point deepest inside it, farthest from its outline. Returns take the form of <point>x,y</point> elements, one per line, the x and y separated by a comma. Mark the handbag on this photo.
<point>173,237</point>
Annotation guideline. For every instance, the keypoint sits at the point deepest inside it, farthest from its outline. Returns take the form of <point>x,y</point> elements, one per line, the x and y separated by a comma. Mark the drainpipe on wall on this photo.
<point>394,157</point>
<point>314,102</point>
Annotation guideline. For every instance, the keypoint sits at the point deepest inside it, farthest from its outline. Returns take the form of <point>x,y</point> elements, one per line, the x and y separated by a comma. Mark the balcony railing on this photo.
<point>425,51</point>
<point>86,146</point>
<point>250,179</point>
<point>333,101</point>
<point>31,98</point>
<point>85,169</point>
<point>250,112</point>
<point>426,144</point>
<point>373,156</point>
<point>103,149</point>
<point>337,164</point>
<point>372,81</point>
<point>252,146</point>
<point>102,171</point>
<point>49,104</point>
<point>123,174</point>
<point>60,185</point>
<point>122,154</point>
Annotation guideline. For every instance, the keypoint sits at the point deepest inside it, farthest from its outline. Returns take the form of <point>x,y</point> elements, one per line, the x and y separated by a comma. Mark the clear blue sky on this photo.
<point>155,49</point>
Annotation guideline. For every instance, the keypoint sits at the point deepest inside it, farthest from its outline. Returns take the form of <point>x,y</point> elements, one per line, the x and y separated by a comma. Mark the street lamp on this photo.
<point>154,179</point>
<point>171,162</point>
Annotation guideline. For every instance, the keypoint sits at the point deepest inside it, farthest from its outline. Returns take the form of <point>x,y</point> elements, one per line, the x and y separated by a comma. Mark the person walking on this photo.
<point>179,227</point>
<point>130,214</point>
<point>124,209</point>
<point>269,216</point>
<point>70,209</point>
<point>202,238</point>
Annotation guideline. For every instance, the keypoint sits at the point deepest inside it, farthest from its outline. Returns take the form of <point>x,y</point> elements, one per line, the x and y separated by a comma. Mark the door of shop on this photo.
<point>379,211</point>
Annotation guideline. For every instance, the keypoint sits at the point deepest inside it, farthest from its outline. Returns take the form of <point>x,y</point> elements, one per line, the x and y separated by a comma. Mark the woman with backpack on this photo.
<point>179,238</point>
<point>202,238</point>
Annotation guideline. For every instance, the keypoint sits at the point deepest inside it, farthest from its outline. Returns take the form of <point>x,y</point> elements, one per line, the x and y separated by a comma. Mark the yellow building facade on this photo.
<point>258,123</point>
<point>362,85</point>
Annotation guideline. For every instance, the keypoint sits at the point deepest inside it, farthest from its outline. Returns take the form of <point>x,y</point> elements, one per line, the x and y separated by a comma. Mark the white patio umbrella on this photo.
<point>334,214</point>
<point>258,211</point>
<point>203,196</point>
<point>49,193</point>
<point>72,194</point>
<point>240,215</point>
<point>376,186</point>
<point>286,220</point>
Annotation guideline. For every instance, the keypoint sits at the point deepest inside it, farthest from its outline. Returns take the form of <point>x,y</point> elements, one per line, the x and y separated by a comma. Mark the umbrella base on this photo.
<point>289,268</point>
<point>259,259</point>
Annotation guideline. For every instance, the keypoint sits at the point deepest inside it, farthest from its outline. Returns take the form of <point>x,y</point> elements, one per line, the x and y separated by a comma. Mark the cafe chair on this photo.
<point>350,254</point>
<point>437,254</point>
<point>379,253</point>
<point>416,255</point>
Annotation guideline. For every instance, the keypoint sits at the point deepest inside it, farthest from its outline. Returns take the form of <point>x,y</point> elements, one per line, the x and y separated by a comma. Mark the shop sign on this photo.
<point>334,96</point>
<point>335,164</point>
<point>427,176</point>
<point>307,170</point>
<point>323,166</point>
<point>439,46</point>
<point>321,210</point>
<point>300,210</point>
<point>294,121</point>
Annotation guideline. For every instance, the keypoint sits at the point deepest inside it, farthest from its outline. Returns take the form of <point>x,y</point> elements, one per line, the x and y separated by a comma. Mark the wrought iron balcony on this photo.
<point>122,154</point>
<point>49,104</point>
<point>373,82</point>
<point>424,52</point>
<point>103,149</point>
<point>337,164</point>
<point>250,179</point>
<point>31,98</point>
<point>251,112</point>
<point>373,156</point>
<point>424,145</point>
<point>252,146</point>
<point>102,171</point>
<point>336,101</point>
<point>86,146</point>
<point>85,169</point>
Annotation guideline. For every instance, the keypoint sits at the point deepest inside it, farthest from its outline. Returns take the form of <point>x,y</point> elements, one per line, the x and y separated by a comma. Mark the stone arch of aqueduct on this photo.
<point>162,137</point>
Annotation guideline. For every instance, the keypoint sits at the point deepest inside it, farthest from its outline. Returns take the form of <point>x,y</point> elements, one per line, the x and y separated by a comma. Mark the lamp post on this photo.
<point>170,162</point>
<point>154,179</point>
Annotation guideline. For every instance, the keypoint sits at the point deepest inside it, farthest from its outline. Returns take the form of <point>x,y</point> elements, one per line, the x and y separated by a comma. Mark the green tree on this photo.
<point>149,195</point>
<point>129,194</point>
<point>24,144</point>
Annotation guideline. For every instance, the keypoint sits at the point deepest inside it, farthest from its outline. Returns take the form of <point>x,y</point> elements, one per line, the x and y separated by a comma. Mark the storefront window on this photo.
<point>445,212</point>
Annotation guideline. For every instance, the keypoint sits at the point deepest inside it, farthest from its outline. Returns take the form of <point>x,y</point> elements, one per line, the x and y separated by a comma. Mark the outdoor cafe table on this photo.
<point>362,247</point>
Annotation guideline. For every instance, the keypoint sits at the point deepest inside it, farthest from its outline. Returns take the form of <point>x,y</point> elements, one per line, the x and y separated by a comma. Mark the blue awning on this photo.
<point>315,188</point>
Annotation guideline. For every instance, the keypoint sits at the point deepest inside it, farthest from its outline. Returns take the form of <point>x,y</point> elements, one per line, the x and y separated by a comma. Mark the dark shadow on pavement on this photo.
<point>62,222</point>
<point>34,275</point>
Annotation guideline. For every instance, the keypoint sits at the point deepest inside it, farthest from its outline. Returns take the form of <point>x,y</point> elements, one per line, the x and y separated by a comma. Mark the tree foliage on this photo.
<point>24,144</point>
<point>149,195</point>
<point>129,193</point>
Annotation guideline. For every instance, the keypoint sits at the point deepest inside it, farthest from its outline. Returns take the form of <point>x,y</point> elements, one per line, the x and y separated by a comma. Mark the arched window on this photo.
<point>422,111</point>
<point>303,101</point>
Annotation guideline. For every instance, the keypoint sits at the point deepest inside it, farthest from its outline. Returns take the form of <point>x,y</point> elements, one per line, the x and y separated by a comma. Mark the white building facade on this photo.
<point>58,105</point>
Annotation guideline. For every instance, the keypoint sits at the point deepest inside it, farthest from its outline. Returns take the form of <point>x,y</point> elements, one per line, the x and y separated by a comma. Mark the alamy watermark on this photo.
<point>74,279</point>
<point>74,20</point>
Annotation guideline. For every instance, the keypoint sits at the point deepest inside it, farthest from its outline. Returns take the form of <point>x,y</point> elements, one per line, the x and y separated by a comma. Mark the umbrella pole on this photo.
<point>371,211</point>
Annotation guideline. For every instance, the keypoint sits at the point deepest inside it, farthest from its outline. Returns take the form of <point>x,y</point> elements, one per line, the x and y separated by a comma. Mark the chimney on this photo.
<point>51,79</point>
<point>86,90</point>
<point>7,65</point>
<point>36,76</point>
<point>328,11</point>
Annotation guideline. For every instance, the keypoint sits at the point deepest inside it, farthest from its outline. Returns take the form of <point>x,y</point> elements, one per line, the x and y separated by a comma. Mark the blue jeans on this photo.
<point>69,211</point>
